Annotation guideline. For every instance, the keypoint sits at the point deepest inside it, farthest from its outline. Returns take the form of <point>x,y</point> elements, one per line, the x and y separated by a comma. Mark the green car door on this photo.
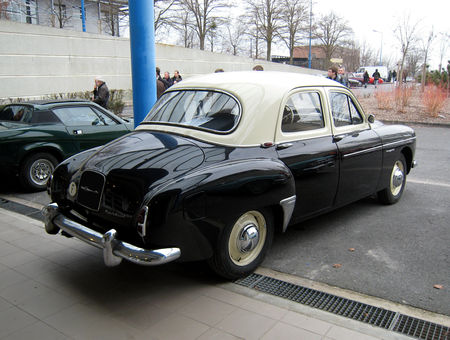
<point>89,126</point>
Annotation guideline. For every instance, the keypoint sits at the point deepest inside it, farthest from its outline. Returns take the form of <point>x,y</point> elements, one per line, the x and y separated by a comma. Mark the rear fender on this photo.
<point>219,193</point>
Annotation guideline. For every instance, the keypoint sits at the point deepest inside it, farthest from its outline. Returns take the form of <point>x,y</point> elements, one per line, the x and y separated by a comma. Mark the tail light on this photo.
<point>142,221</point>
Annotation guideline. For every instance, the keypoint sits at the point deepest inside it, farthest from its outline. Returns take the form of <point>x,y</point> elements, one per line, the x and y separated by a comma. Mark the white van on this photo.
<point>371,69</point>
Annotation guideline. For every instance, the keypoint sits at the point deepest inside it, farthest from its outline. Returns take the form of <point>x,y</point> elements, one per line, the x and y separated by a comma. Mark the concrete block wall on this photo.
<point>36,61</point>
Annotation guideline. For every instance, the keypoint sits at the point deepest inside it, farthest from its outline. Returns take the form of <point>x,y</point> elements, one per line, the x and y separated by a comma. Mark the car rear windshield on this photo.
<point>209,110</point>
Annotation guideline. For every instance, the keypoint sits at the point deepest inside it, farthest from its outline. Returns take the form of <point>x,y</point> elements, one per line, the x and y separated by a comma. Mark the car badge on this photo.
<point>72,189</point>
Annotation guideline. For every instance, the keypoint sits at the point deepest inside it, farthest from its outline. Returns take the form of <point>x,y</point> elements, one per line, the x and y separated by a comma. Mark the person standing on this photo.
<point>333,74</point>
<point>376,77</point>
<point>343,77</point>
<point>160,87</point>
<point>101,92</point>
<point>176,77</point>
<point>366,78</point>
<point>167,80</point>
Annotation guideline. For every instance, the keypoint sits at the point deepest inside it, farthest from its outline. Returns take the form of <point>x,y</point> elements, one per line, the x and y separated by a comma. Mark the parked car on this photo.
<point>220,163</point>
<point>36,136</point>
<point>357,79</point>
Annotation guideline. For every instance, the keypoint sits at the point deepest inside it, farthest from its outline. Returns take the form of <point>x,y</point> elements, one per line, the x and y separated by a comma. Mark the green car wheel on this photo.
<point>36,170</point>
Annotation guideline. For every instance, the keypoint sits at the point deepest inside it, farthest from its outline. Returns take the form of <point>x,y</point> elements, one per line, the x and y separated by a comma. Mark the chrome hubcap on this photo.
<point>248,239</point>
<point>397,178</point>
<point>40,171</point>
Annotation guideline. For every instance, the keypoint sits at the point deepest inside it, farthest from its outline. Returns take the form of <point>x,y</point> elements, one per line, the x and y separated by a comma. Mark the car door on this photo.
<point>359,148</point>
<point>89,126</point>
<point>305,144</point>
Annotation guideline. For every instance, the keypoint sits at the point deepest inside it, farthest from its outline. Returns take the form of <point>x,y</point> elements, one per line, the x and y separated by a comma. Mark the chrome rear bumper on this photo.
<point>114,250</point>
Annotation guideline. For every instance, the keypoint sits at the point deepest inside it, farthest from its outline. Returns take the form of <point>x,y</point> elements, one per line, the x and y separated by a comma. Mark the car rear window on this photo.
<point>209,110</point>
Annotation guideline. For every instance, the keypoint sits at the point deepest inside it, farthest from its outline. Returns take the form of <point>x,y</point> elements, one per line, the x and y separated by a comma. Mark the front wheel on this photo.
<point>397,181</point>
<point>243,244</point>
<point>36,170</point>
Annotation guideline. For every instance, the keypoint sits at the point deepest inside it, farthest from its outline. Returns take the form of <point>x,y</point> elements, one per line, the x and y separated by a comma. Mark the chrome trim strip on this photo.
<point>399,142</point>
<point>375,148</point>
<point>288,205</point>
<point>114,250</point>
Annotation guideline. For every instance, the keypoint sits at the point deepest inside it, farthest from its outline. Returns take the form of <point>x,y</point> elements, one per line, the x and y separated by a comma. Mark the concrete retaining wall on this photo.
<point>38,61</point>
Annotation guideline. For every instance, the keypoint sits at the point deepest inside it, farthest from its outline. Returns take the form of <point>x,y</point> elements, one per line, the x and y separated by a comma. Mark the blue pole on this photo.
<point>83,16</point>
<point>143,68</point>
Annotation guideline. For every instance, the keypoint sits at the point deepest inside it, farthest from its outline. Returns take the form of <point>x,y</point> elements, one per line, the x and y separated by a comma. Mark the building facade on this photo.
<point>101,16</point>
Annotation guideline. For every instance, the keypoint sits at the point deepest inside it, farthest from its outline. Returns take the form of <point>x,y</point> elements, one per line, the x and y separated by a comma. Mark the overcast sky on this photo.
<point>383,16</point>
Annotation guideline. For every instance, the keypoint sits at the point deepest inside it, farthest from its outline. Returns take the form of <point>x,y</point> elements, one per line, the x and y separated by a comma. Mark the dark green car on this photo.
<point>36,136</point>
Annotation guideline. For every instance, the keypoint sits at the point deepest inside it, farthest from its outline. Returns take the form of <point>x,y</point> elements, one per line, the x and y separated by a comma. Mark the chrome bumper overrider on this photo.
<point>114,250</point>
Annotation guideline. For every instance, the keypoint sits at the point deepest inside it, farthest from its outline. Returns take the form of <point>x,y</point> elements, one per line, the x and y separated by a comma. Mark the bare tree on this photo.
<point>267,14</point>
<point>235,34</point>
<point>412,63</point>
<point>60,13</point>
<point>253,33</point>
<point>425,50</point>
<point>163,13</point>
<point>203,13</point>
<point>406,34</point>
<point>113,15</point>
<point>445,37</point>
<point>331,30</point>
<point>367,55</point>
<point>212,33</point>
<point>350,53</point>
<point>294,18</point>
<point>183,24</point>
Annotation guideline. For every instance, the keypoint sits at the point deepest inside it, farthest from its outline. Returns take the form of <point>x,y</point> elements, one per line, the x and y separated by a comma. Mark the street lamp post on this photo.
<point>381,45</point>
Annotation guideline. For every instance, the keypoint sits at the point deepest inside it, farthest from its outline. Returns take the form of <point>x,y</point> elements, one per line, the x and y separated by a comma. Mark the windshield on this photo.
<point>208,110</point>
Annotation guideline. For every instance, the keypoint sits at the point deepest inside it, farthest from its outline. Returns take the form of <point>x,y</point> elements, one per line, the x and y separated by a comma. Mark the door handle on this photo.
<point>337,138</point>
<point>284,146</point>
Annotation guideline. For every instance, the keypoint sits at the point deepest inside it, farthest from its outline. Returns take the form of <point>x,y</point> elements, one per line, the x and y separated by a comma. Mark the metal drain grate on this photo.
<point>421,329</point>
<point>348,308</point>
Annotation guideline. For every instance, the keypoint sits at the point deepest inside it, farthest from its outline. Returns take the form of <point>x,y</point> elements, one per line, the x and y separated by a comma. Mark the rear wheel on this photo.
<point>36,170</point>
<point>243,244</point>
<point>397,180</point>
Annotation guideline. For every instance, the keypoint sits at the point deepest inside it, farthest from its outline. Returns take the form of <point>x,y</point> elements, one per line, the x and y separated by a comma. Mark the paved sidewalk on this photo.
<point>52,287</point>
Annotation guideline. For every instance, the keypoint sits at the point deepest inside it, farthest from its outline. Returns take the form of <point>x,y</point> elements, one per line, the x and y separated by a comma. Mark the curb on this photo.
<point>444,125</point>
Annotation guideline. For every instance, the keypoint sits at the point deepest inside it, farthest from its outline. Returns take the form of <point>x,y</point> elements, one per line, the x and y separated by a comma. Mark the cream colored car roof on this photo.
<point>260,95</point>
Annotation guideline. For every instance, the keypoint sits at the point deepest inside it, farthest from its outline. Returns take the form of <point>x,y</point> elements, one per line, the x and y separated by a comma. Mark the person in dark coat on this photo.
<point>101,92</point>
<point>333,74</point>
<point>366,78</point>
<point>167,80</point>
<point>376,77</point>
<point>176,77</point>
<point>160,87</point>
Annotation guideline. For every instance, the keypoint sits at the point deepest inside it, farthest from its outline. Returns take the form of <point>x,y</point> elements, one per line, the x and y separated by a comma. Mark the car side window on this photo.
<point>107,119</point>
<point>18,113</point>
<point>79,115</point>
<point>302,112</point>
<point>344,110</point>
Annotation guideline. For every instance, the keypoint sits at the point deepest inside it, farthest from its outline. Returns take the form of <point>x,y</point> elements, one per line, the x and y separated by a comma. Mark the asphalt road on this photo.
<point>400,251</point>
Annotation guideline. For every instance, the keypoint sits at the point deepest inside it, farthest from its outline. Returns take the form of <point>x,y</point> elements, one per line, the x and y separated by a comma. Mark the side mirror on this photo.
<point>371,119</point>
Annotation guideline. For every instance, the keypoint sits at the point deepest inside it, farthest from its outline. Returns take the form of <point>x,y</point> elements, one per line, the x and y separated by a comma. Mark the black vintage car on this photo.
<point>223,161</point>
